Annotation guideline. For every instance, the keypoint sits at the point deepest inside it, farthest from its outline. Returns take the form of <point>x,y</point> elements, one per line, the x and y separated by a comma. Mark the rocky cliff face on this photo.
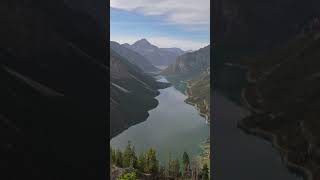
<point>53,99</point>
<point>190,63</point>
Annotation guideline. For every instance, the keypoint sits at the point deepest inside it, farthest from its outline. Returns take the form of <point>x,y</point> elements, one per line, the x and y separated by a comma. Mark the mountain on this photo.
<point>283,93</point>
<point>281,63</point>
<point>133,57</point>
<point>157,56</point>
<point>54,74</point>
<point>174,50</point>
<point>190,63</point>
<point>193,69</point>
<point>132,94</point>
<point>199,93</point>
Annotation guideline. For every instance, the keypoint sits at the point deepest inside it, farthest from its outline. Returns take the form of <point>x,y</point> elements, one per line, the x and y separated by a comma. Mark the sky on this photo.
<point>165,23</point>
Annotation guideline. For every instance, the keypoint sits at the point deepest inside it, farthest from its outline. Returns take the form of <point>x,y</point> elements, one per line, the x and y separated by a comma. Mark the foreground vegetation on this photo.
<point>146,166</point>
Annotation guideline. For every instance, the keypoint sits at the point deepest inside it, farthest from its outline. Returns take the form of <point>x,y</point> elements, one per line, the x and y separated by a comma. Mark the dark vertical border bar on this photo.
<point>54,81</point>
<point>213,4</point>
<point>107,136</point>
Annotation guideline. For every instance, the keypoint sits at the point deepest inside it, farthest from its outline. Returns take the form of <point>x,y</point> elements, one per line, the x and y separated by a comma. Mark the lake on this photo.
<point>171,128</point>
<point>238,155</point>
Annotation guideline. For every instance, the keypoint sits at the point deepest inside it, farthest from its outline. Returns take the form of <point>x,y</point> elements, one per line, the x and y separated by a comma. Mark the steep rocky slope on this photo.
<point>157,56</point>
<point>190,63</point>
<point>54,74</point>
<point>132,94</point>
<point>133,57</point>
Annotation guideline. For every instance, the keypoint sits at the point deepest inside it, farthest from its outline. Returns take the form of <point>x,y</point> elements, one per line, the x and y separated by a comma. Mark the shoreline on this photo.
<point>204,115</point>
<point>204,156</point>
<point>201,156</point>
<point>273,138</point>
<point>162,85</point>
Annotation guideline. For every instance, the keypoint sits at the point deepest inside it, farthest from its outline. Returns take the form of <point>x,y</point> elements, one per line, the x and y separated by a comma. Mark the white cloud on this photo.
<point>163,42</point>
<point>183,12</point>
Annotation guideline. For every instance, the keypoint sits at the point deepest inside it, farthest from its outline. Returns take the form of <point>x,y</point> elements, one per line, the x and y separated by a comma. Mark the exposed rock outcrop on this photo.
<point>190,63</point>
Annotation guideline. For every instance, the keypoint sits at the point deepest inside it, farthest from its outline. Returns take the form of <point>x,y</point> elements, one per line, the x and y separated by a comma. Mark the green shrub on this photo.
<point>128,176</point>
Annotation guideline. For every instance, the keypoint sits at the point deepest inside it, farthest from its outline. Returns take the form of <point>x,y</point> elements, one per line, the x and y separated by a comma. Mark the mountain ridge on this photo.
<point>190,63</point>
<point>193,69</point>
<point>130,84</point>
<point>157,56</point>
<point>133,57</point>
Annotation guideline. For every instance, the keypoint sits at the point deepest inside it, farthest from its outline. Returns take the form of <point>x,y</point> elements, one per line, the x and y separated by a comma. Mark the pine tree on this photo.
<point>134,159</point>
<point>113,155</point>
<point>177,168</point>
<point>141,162</point>
<point>170,171</point>
<point>152,164</point>
<point>119,159</point>
<point>174,168</point>
<point>127,155</point>
<point>205,172</point>
<point>186,165</point>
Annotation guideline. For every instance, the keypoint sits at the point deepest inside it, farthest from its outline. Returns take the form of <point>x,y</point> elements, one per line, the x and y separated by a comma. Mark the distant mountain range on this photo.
<point>157,56</point>
<point>133,57</point>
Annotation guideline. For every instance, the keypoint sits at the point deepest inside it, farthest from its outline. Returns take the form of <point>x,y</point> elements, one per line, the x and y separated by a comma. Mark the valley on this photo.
<point>173,127</point>
<point>191,75</point>
<point>148,113</point>
<point>166,128</point>
<point>130,84</point>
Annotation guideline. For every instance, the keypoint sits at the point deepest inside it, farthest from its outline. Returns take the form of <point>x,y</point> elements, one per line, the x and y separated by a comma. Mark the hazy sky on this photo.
<point>166,23</point>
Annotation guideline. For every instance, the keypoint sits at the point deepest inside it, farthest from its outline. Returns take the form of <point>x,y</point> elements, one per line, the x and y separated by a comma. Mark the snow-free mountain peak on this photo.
<point>157,56</point>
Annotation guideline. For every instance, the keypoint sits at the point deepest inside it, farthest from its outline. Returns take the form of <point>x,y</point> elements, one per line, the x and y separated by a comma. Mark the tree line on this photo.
<point>147,163</point>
